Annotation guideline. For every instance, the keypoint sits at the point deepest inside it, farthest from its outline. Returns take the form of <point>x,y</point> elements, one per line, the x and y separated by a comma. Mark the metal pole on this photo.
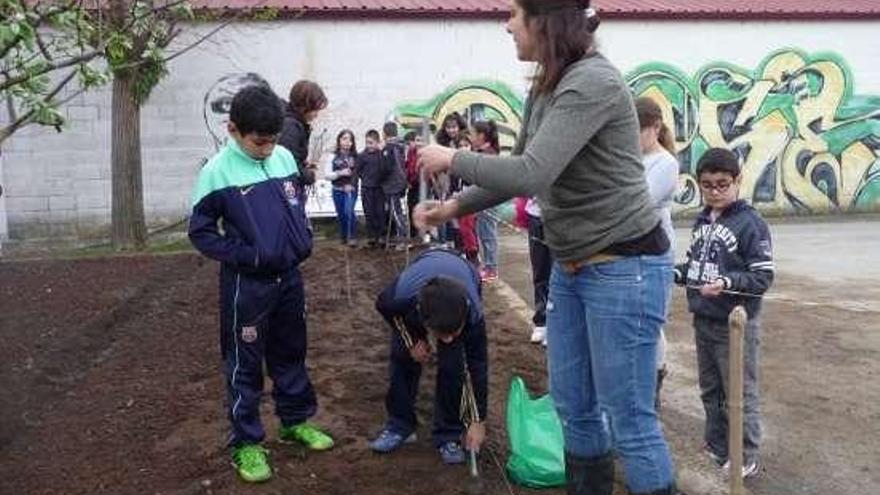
<point>424,234</point>
<point>737,323</point>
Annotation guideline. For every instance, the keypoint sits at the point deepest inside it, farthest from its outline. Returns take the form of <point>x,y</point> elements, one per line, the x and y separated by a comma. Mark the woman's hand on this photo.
<point>434,213</point>
<point>435,159</point>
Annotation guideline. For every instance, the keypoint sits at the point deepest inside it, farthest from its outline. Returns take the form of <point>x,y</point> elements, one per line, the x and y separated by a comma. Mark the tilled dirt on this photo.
<point>111,380</point>
<point>111,376</point>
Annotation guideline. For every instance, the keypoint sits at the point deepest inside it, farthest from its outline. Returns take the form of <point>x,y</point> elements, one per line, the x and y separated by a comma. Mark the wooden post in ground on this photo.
<point>737,323</point>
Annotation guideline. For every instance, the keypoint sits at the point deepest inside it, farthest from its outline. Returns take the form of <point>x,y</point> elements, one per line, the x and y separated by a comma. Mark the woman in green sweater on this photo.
<point>578,154</point>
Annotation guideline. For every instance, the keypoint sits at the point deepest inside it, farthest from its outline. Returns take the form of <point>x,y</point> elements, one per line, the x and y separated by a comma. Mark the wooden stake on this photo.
<point>737,323</point>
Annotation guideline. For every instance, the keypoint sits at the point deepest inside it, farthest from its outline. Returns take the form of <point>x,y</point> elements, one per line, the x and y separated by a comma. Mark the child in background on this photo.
<point>342,176</point>
<point>486,141</point>
<point>369,171</point>
<point>307,100</point>
<point>411,142</point>
<point>394,184</point>
<point>453,127</point>
<point>467,224</point>
<point>542,265</point>
<point>730,254</point>
<point>661,171</point>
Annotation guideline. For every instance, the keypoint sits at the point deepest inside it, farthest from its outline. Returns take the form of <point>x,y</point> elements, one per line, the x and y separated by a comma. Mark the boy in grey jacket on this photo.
<point>729,263</point>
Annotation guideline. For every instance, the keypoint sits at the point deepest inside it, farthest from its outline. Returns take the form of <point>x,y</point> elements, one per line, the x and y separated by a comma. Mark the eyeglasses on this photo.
<point>719,187</point>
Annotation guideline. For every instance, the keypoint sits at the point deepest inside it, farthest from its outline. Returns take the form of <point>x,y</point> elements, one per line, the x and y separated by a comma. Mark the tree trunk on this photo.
<point>129,228</point>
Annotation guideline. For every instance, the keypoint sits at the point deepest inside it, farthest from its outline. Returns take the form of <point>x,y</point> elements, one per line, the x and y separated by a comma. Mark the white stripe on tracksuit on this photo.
<point>235,338</point>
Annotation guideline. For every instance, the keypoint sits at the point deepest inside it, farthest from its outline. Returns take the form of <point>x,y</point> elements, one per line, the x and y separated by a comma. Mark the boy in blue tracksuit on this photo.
<point>439,294</point>
<point>247,215</point>
<point>729,263</point>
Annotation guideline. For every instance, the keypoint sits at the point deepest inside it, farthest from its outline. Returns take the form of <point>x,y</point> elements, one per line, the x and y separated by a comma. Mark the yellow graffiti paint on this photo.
<point>806,145</point>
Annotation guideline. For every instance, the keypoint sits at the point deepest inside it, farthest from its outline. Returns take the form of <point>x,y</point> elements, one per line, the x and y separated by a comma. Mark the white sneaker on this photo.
<point>748,470</point>
<point>539,335</point>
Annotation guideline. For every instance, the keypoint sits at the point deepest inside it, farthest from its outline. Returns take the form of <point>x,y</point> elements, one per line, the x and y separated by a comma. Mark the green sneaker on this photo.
<point>307,434</point>
<point>252,463</point>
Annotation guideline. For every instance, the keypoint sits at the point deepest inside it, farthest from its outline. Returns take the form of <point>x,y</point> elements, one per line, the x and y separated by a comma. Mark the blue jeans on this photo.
<point>344,203</point>
<point>487,231</point>
<point>603,323</point>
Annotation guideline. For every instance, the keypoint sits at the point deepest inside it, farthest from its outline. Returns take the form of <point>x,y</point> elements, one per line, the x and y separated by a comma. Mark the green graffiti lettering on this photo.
<point>806,141</point>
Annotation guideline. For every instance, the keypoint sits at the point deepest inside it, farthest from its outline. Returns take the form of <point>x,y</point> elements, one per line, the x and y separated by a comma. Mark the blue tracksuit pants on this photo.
<point>263,320</point>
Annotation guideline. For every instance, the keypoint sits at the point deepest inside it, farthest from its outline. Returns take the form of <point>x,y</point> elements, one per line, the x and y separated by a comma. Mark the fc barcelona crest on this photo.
<point>249,334</point>
<point>289,189</point>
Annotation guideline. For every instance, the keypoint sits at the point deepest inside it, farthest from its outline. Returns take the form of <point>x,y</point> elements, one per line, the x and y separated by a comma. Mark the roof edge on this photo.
<point>500,14</point>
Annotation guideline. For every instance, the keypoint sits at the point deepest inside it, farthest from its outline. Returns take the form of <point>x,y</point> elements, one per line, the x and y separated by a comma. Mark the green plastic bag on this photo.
<point>536,446</point>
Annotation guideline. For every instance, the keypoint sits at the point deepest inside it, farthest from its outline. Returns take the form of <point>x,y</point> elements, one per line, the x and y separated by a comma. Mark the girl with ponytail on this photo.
<point>661,171</point>
<point>486,141</point>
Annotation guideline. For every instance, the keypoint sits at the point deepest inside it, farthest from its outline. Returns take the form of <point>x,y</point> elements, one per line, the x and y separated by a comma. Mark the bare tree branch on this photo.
<point>27,118</point>
<point>200,40</point>
<point>155,10</point>
<point>70,98</point>
<point>43,48</point>
<point>8,83</point>
<point>214,31</point>
<point>41,18</point>
<point>10,108</point>
<point>12,44</point>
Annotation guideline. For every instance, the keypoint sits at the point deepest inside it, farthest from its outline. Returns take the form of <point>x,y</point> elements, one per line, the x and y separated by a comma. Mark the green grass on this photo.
<point>157,246</point>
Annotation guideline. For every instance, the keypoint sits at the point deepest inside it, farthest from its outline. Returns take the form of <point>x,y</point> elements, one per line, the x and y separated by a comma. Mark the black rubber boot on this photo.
<point>661,374</point>
<point>589,475</point>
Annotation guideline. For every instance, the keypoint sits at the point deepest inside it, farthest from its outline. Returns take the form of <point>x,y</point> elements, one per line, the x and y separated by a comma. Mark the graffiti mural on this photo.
<point>218,100</point>
<point>807,142</point>
<point>475,100</point>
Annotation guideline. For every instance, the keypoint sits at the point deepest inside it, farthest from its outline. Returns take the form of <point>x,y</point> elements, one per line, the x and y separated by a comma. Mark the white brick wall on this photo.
<point>4,228</point>
<point>366,67</point>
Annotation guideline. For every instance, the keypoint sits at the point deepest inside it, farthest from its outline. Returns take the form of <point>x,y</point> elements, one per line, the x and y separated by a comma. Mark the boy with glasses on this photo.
<point>729,263</point>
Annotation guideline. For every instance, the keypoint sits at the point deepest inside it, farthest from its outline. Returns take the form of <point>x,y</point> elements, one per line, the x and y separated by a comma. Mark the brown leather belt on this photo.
<point>572,267</point>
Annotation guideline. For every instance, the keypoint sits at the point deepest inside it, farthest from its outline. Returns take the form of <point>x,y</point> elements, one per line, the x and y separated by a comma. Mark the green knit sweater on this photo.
<point>578,154</point>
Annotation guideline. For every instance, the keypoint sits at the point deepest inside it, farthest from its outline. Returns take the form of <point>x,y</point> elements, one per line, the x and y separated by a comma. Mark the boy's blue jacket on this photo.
<point>400,299</point>
<point>736,248</point>
<point>246,213</point>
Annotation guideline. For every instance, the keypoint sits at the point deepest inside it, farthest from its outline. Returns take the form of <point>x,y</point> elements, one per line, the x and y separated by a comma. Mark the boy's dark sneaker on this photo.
<point>252,463</point>
<point>389,441</point>
<point>451,453</point>
<point>661,374</point>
